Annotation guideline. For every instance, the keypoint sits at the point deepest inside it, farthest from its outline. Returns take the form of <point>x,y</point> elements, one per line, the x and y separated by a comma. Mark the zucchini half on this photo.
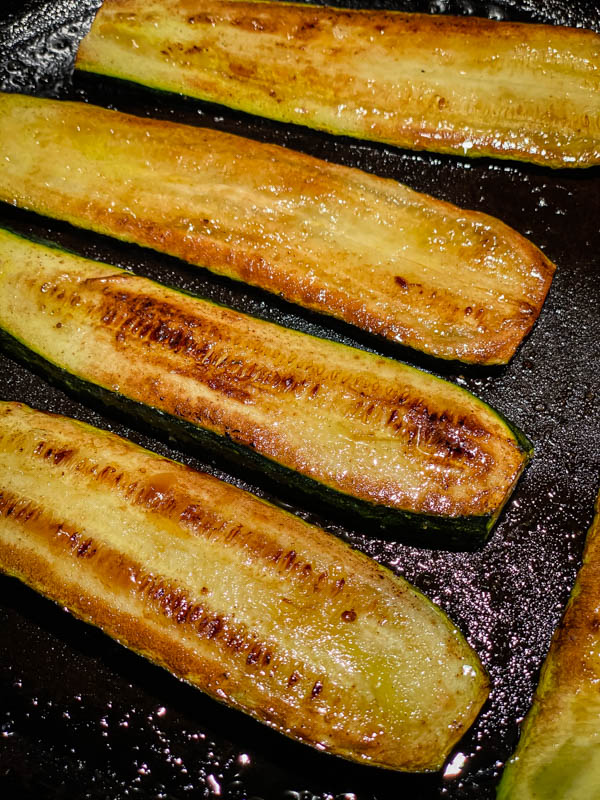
<point>449,84</point>
<point>366,433</point>
<point>426,274</point>
<point>250,604</point>
<point>558,755</point>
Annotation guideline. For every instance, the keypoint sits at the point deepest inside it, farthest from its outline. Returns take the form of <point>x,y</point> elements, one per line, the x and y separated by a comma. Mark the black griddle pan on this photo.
<point>81,717</point>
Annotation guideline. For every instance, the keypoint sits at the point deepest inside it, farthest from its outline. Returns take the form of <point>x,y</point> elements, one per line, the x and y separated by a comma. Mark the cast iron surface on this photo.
<point>83,718</point>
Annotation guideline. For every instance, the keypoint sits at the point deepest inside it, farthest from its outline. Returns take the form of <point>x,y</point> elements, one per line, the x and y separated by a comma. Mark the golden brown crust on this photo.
<point>253,606</point>
<point>369,427</point>
<point>449,84</point>
<point>399,264</point>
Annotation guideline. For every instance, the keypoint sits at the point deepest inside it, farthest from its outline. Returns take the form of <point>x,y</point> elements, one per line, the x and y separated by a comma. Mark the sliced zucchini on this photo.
<point>558,755</point>
<point>366,433</point>
<point>455,284</point>
<point>243,600</point>
<point>448,84</point>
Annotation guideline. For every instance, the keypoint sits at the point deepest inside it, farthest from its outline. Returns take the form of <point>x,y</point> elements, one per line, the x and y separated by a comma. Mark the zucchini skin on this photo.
<point>425,274</point>
<point>448,84</point>
<point>248,603</point>
<point>353,430</point>
<point>558,754</point>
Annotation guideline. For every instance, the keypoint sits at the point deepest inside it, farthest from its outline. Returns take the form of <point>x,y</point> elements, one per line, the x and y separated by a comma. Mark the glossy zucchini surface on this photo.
<point>453,283</point>
<point>243,600</point>
<point>368,434</point>
<point>434,82</point>
<point>558,755</point>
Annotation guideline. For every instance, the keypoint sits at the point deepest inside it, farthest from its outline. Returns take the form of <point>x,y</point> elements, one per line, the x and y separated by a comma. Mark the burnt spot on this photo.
<point>81,546</point>
<point>62,455</point>
<point>348,616</point>
<point>294,678</point>
<point>181,615</point>
<point>106,473</point>
<point>212,627</point>
<point>86,549</point>
<point>9,505</point>
<point>321,581</point>
<point>251,22</point>
<point>242,70</point>
<point>455,439</point>
<point>594,624</point>
<point>402,283</point>
<point>306,28</point>
<point>193,515</point>
<point>156,498</point>
<point>224,386</point>
<point>236,641</point>
<point>316,689</point>
<point>201,19</point>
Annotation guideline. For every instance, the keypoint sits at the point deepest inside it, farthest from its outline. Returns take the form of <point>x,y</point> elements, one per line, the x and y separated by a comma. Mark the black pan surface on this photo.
<point>83,718</point>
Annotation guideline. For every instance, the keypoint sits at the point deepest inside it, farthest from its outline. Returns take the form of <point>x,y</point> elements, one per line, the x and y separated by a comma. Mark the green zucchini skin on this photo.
<point>558,754</point>
<point>419,272</point>
<point>446,449</point>
<point>459,85</point>
<point>246,602</point>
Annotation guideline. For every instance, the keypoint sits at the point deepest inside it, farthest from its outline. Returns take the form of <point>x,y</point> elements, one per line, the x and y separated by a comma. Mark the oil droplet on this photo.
<point>456,766</point>
<point>438,7</point>
<point>214,784</point>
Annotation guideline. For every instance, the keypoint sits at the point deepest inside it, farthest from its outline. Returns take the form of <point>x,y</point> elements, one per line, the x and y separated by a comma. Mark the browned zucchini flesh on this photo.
<point>453,283</point>
<point>558,756</point>
<point>364,433</point>
<point>243,600</point>
<point>448,84</point>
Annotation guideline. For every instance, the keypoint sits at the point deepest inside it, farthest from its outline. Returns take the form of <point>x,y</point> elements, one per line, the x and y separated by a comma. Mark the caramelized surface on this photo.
<point>558,755</point>
<point>366,426</point>
<point>250,604</point>
<point>453,283</point>
<point>442,83</point>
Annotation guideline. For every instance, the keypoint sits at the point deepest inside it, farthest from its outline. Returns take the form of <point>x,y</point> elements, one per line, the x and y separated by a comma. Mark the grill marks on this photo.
<point>159,494</point>
<point>169,602</point>
<point>212,353</point>
<point>250,638</point>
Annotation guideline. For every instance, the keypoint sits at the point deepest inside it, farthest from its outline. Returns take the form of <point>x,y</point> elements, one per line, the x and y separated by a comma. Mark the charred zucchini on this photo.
<point>449,84</point>
<point>248,603</point>
<point>402,265</point>
<point>370,434</point>
<point>558,756</point>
